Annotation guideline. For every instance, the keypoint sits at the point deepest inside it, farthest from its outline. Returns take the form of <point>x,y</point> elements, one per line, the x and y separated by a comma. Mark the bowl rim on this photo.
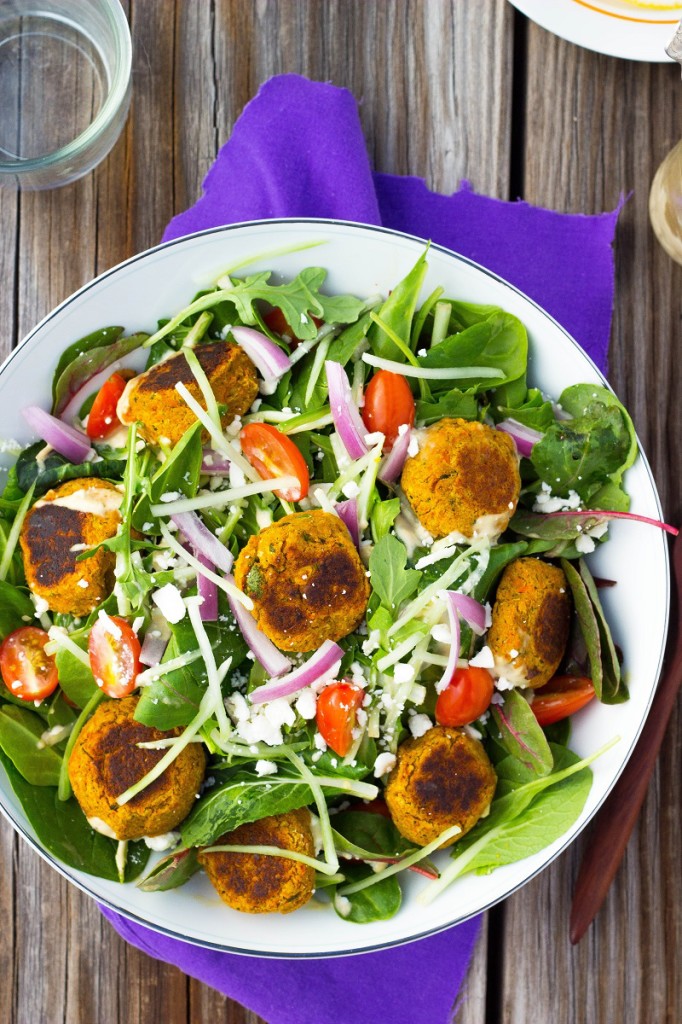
<point>571,835</point>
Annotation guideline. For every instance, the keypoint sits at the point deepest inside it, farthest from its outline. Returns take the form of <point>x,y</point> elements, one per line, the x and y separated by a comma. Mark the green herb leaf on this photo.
<point>89,361</point>
<point>20,732</point>
<point>500,342</point>
<point>55,469</point>
<point>171,872</point>
<point>101,338</point>
<point>397,312</point>
<point>16,608</point>
<point>391,580</point>
<point>521,735</point>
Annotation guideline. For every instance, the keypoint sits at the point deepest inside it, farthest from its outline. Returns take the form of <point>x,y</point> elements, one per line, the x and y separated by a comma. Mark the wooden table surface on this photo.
<point>447,89</point>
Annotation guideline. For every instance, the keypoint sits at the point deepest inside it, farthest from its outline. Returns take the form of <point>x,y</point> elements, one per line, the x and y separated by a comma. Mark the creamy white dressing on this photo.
<point>164,842</point>
<point>96,501</point>
<point>490,525</point>
<point>101,826</point>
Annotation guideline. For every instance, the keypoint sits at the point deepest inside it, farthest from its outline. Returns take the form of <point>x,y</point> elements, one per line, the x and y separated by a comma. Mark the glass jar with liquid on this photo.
<point>665,203</point>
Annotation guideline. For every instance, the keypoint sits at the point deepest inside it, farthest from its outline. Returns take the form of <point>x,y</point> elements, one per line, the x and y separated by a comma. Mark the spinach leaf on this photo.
<point>101,338</point>
<point>347,342</point>
<point>604,665</point>
<point>532,410</point>
<point>75,678</point>
<point>521,735</point>
<point>397,312</point>
<point>16,608</point>
<point>179,473</point>
<point>530,816</point>
<point>376,903</point>
<point>457,404</point>
<point>56,469</point>
<point>242,798</point>
<point>63,830</point>
<point>20,732</point>
<point>553,528</point>
<point>391,580</point>
<point>500,342</point>
<point>500,556</point>
<point>87,363</point>
<point>171,872</point>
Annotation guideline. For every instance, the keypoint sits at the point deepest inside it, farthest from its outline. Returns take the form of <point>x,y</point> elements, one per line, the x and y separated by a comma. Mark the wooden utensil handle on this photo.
<point>614,823</point>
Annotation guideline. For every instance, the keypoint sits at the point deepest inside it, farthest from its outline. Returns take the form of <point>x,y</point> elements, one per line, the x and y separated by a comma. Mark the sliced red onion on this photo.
<point>213,463</point>
<point>347,419</point>
<point>73,444</point>
<point>207,590</point>
<point>524,437</point>
<point>348,514</point>
<point>270,657</point>
<point>204,542</point>
<point>263,353</point>
<point>392,466</point>
<point>324,661</point>
<point>153,646</point>
<point>472,611</point>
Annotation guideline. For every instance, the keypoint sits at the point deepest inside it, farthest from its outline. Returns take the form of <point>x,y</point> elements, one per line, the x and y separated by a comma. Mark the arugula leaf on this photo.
<point>180,472</point>
<point>585,452</point>
<point>532,410</point>
<point>391,581</point>
<point>383,516</point>
<point>20,732</point>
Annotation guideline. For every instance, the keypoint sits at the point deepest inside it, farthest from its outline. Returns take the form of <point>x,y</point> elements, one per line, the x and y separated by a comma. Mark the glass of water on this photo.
<point>65,70</point>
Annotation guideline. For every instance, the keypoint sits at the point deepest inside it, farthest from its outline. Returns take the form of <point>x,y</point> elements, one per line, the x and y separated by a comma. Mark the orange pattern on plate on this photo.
<point>625,17</point>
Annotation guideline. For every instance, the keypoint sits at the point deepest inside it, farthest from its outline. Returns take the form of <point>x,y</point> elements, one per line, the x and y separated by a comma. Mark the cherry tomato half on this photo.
<point>273,454</point>
<point>114,655</point>
<point>102,419</point>
<point>561,697</point>
<point>337,707</point>
<point>27,671</point>
<point>388,404</point>
<point>466,697</point>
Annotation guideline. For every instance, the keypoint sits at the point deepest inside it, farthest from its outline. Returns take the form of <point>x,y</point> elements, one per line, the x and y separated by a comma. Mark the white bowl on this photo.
<point>364,261</point>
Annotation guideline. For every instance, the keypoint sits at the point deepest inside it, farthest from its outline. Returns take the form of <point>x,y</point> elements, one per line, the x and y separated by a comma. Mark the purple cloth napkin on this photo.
<point>298,151</point>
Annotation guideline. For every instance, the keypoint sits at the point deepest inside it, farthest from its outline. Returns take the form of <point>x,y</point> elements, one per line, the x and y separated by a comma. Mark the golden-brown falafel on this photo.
<point>440,779</point>
<point>306,580</point>
<point>258,883</point>
<point>152,401</point>
<point>464,479</point>
<point>530,622</point>
<point>106,760</point>
<point>74,516</point>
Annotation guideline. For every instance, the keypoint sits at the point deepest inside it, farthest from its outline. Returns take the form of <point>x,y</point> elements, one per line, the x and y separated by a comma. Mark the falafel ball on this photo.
<point>464,479</point>
<point>60,526</point>
<point>106,760</point>
<point>530,622</point>
<point>440,779</point>
<point>259,883</point>
<point>151,399</point>
<point>306,580</point>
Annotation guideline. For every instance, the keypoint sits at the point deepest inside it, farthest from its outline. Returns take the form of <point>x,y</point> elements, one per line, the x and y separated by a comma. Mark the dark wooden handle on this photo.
<point>614,823</point>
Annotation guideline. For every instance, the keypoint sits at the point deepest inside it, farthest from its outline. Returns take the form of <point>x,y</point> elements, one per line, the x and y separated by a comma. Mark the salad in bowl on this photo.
<point>298,601</point>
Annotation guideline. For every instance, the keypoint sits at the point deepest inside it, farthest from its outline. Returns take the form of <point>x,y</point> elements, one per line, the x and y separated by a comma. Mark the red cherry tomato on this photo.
<point>276,321</point>
<point>114,655</point>
<point>27,671</point>
<point>102,419</point>
<point>561,697</point>
<point>273,454</point>
<point>337,707</point>
<point>388,404</point>
<point>466,697</point>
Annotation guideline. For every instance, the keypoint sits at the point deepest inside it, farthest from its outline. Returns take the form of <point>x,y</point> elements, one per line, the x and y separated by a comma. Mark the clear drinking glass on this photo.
<point>665,203</point>
<point>65,69</point>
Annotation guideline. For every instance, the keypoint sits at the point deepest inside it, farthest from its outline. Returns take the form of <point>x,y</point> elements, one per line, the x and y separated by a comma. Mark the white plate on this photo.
<point>363,261</point>
<point>614,27</point>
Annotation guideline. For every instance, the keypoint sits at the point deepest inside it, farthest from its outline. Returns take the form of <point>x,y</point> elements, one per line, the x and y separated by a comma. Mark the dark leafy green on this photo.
<point>397,313</point>
<point>500,342</point>
<point>16,608</point>
<point>20,732</point>
<point>521,735</point>
<point>171,872</point>
<point>101,338</point>
<point>88,362</point>
<point>55,469</point>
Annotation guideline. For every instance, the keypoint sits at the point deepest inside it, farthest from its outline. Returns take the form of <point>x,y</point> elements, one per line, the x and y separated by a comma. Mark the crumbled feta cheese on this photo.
<point>237,478</point>
<point>371,644</point>
<point>413,446</point>
<point>171,496</point>
<point>306,704</point>
<point>319,742</point>
<point>441,633</point>
<point>384,764</point>
<point>419,724</point>
<point>375,438</point>
<point>351,489</point>
<point>169,602</point>
<point>483,659</point>
<point>545,501</point>
<point>584,544</point>
<point>265,768</point>
<point>403,673</point>
<point>83,584</point>
<point>279,712</point>
<point>165,842</point>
